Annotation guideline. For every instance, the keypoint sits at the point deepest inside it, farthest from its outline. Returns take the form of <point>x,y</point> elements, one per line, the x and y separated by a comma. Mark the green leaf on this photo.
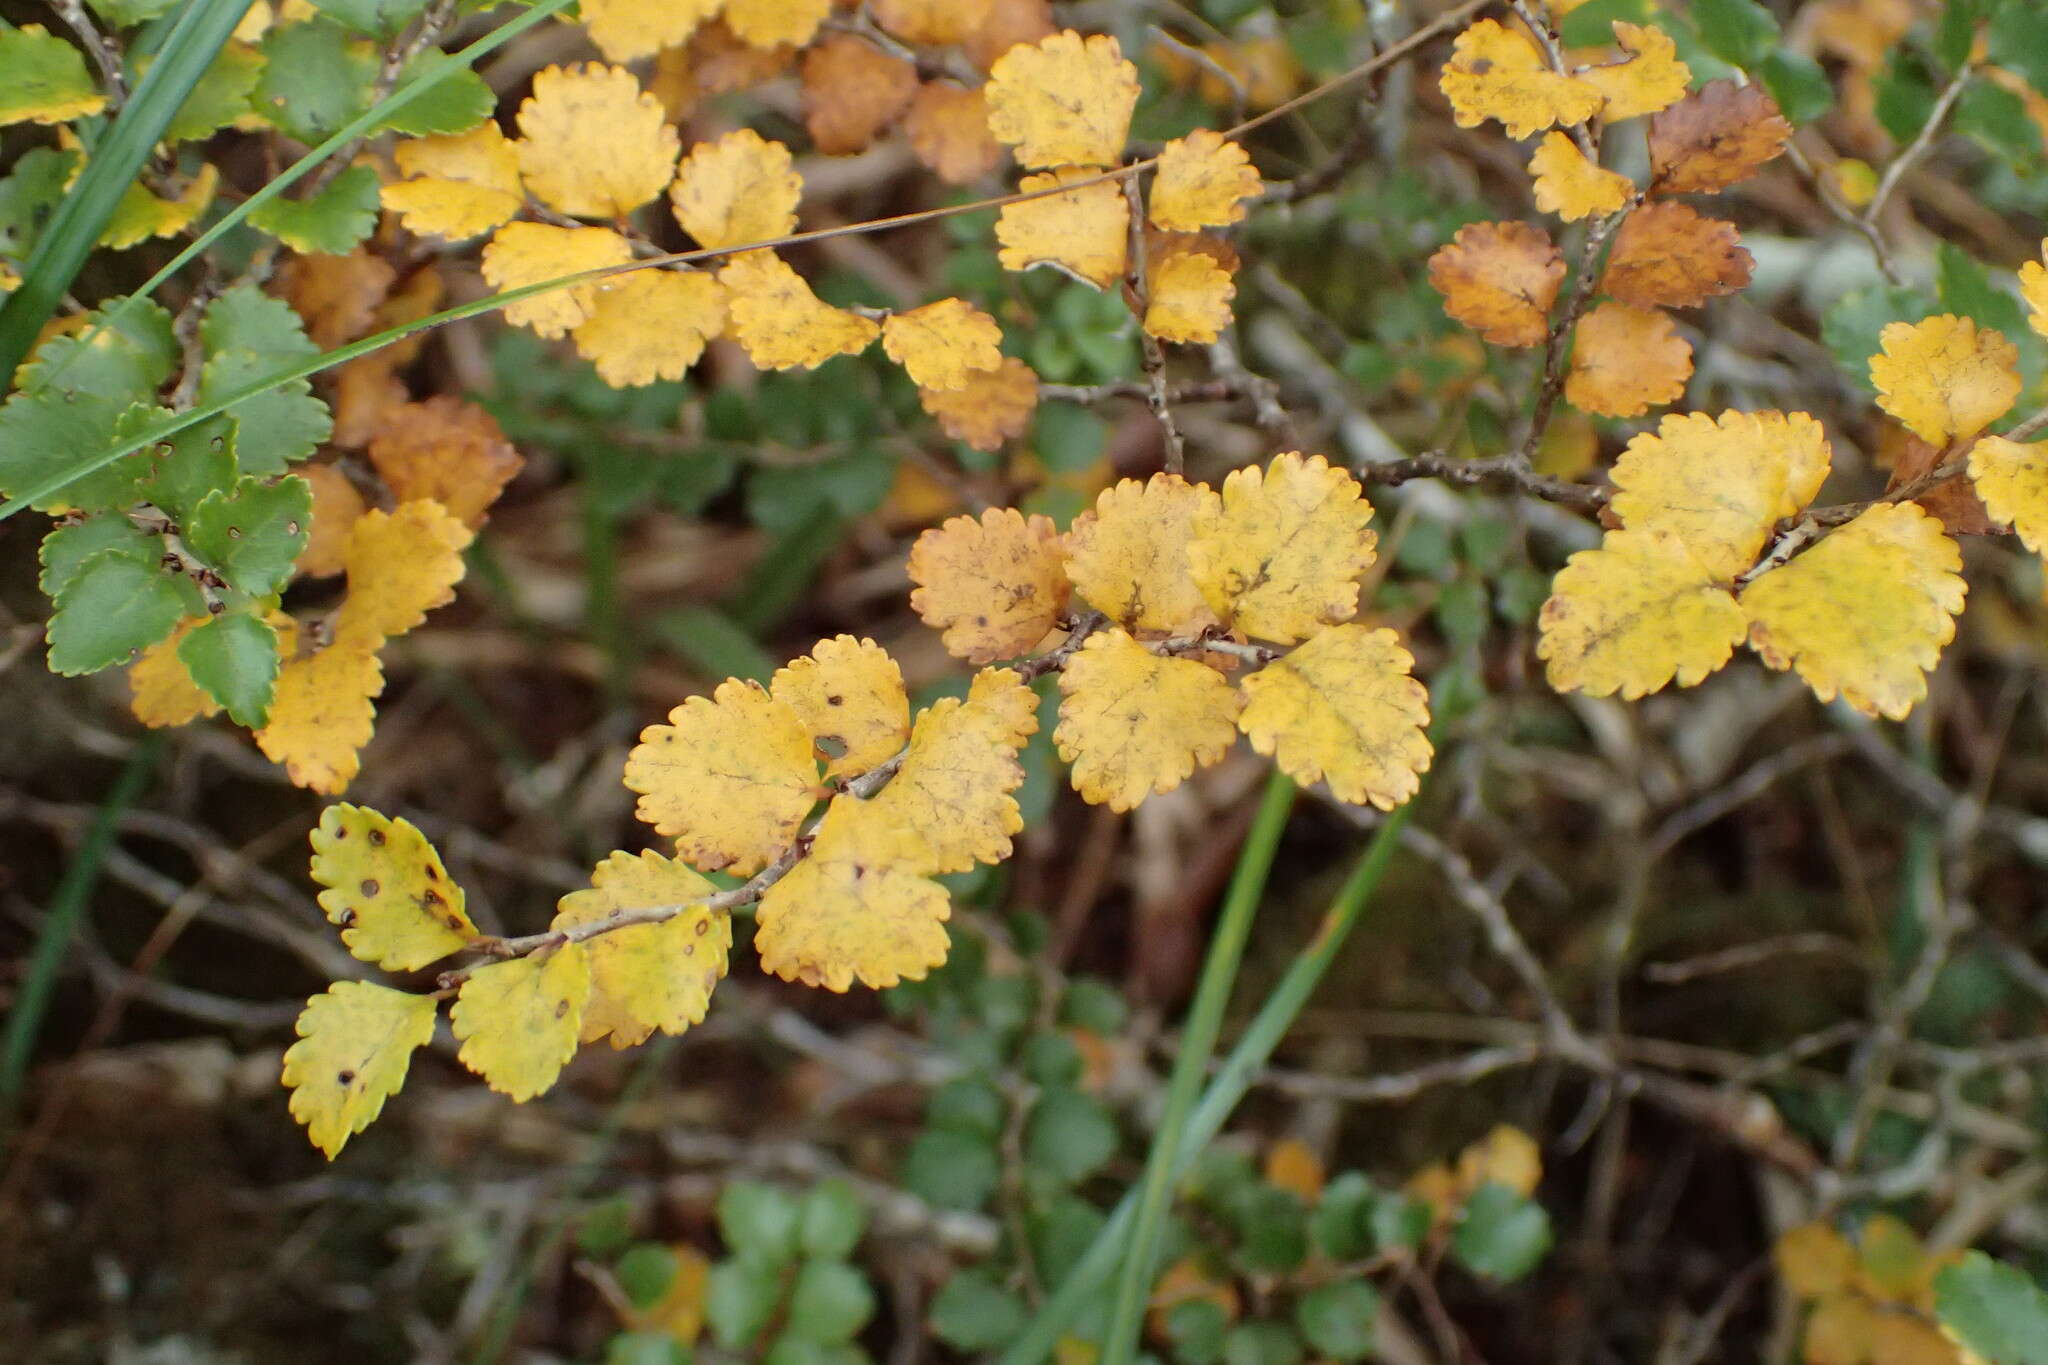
<point>1740,32</point>
<point>1905,96</point>
<point>250,534</point>
<point>971,1312</point>
<point>233,658</point>
<point>112,609</point>
<point>1955,32</point>
<point>1095,1006</point>
<point>829,1303</point>
<point>951,1170</point>
<point>2018,41</point>
<point>331,222</point>
<point>967,1105</point>
<point>1067,437</point>
<point>316,77</point>
<point>1262,1343</point>
<point>188,465</point>
<point>1397,1220</point>
<point>1272,1224</point>
<point>830,1220</point>
<point>128,13</point>
<point>1337,1319</point>
<point>1062,1234</point>
<point>1338,1225</point>
<point>1796,81</point>
<point>222,95</point>
<point>67,547</point>
<point>1502,1234</point>
<point>1069,1135</point>
<point>458,101</point>
<point>44,433</point>
<point>645,1271</point>
<point>646,1348</point>
<point>1852,326</point>
<point>274,428</point>
<point>1997,1311</point>
<point>43,78</point>
<point>377,18</point>
<point>244,318</point>
<point>759,1221</point>
<point>1051,1060</point>
<point>1592,24</point>
<point>29,194</point>
<point>740,1297</point>
<point>1196,1329</point>
<point>1997,118</point>
<point>1964,287</point>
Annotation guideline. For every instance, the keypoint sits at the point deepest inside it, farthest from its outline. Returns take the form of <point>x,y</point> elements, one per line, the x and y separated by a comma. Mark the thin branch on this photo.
<point>1917,148</point>
<point>1137,293</point>
<point>105,55</point>
<point>1507,472</point>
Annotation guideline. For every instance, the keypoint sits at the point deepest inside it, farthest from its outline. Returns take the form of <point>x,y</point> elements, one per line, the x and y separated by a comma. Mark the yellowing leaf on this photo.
<point>457,186</point>
<point>647,976</point>
<point>1570,186</point>
<point>943,345</point>
<point>1866,612</point>
<point>401,565</point>
<point>1505,1156</point>
<point>1500,279</point>
<point>1189,298</point>
<point>1064,101</point>
<point>321,715</point>
<point>780,322</point>
<point>1128,558</point>
<point>46,78</point>
<point>1281,557</point>
<point>355,1042</point>
<point>1083,231</point>
<point>994,406</point>
<point>625,30</point>
<point>519,1020</point>
<point>1814,1260</point>
<point>1626,359</point>
<point>1651,79</point>
<point>736,191</point>
<point>446,450</point>
<point>1944,376</point>
<point>1134,723</point>
<point>1203,181</point>
<point>775,23</point>
<point>1498,73</point>
<point>994,586</point>
<point>592,143</point>
<point>849,694</point>
<point>2034,289</point>
<point>521,254</point>
<point>651,325</point>
<point>951,798</point>
<point>1635,613</point>
<point>1666,254</point>
<point>386,888</point>
<point>165,694</point>
<point>853,909</point>
<point>2011,478</point>
<point>1343,708</point>
<point>730,777</point>
<point>142,215</point>
<point>1720,485</point>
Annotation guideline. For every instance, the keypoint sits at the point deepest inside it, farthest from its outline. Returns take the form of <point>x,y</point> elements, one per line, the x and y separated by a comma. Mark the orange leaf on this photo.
<point>948,129</point>
<point>447,449</point>
<point>1666,254</point>
<point>1626,359</point>
<point>852,90</point>
<point>1500,280</point>
<point>995,405</point>
<point>1715,136</point>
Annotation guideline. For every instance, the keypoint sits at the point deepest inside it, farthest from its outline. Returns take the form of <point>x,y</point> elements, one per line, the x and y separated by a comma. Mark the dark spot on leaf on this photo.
<point>234,533</point>
<point>377,837</point>
<point>689,950</point>
<point>347,917</point>
<point>703,927</point>
<point>370,886</point>
<point>291,528</point>
<point>834,701</point>
<point>455,923</point>
<point>346,1077</point>
<point>561,1008</point>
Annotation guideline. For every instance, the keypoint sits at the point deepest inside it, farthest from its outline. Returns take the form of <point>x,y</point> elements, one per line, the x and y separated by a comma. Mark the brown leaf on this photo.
<point>1667,255</point>
<point>852,89</point>
<point>1956,502</point>
<point>1009,22</point>
<point>1715,136</point>
<point>336,296</point>
<point>1500,279</point>
<point>447,449</point>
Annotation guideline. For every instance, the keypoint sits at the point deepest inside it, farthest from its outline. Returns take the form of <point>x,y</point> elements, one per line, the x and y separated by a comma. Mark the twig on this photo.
<point>1137,294</point>
<point>1583,289</point>
<point>1399,1086</point>
<point>1917,148</point>
<point>99,47</point>
<point>1508,472</point>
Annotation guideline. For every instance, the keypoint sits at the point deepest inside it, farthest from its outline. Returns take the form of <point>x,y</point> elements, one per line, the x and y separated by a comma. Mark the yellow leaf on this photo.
<point>2011,478</point>
<point>951,798</point>
<point>780,322</point>
<point>1188,299</point>
<point>1063,101</point>
<point>736,191</point>
<point>401,565</point>
<point>519,1020</point>
<point>625,30</point>
<point>1892,1263</point>
<point>1625,360</point>
<point>592,143</point>
<point>1128,558</point>
<point>854,909</point>
<point>1293,1165</point>
<point>647,976</point>
<point>729,778</point>
<point>1500,279</point>
<point>1902,1339</point>
<point>321,715</point>
<point>849,695</point>
<point>1720,485</point>
<point>943,345</point>
<point>995,406</point>
<point>1944,376</point>
<point>386,888</point>
<point>1203,181</point>
<point>1134,723</point>
<point>165,694</point>
<point>1343,708</point>
<point>1505,1156</point>
<point>355,1042</point>
<point>651,325</point>
<point>933,22</point>
<point>1865,612</point>
<point>1651,79</point>
<point>521,254</point>
<point>2034,289</point>
<point>1498,73</point>
<point>1814,1260</point>
<point>1570,186</point>
<point>1840,1331</point>
<point>1635,613</point>
<point>1083,231</point>
<point>1280,558</point>
<point>141,215</point>
<point>994,586</point>
<point>457,186</point>
<point>774,23</point>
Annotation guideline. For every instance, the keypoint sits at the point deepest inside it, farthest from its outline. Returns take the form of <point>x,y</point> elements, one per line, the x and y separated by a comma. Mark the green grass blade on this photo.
<point>197,37</point>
